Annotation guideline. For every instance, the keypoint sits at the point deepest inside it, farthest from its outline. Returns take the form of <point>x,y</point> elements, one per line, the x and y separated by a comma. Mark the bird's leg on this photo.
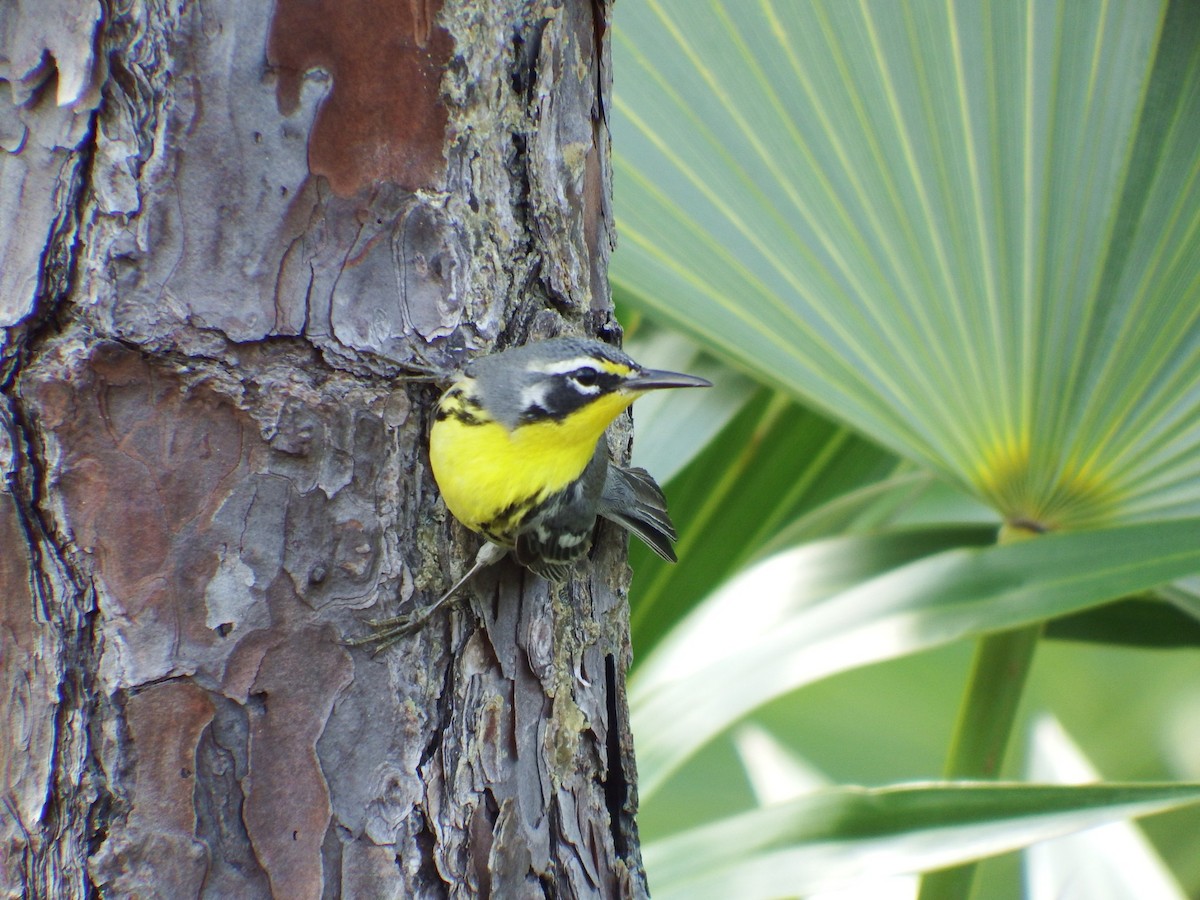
<point>423,373</point>
<point>386,632</point>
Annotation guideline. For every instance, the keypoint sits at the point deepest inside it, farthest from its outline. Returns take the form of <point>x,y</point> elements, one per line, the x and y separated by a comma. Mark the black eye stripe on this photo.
<point>586,380</point>
<point>561,393</point>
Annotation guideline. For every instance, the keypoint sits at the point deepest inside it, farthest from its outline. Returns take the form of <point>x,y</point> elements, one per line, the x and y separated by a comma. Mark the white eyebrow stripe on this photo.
<point>562,366</point>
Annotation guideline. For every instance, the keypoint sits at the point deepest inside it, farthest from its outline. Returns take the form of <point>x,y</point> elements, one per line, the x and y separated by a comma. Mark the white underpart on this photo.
<point>566,540</point>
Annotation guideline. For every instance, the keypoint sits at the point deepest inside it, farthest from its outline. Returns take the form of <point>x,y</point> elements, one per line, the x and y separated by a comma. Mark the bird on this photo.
<point>517,451</point>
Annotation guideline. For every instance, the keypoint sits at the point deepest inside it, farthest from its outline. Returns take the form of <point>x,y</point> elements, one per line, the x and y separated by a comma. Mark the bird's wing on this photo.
<point>633,499</point>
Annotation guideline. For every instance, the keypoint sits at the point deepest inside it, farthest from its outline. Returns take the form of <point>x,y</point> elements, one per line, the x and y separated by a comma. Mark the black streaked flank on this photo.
<point>502,527</point>
<point>461,406</point>
<point>462,415</point>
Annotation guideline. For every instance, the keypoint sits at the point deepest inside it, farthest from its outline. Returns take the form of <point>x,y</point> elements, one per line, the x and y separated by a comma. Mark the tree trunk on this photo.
<point>227,228</point>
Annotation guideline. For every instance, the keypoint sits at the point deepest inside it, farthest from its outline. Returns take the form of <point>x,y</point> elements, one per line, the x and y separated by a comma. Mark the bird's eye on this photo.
<point>585,377</point>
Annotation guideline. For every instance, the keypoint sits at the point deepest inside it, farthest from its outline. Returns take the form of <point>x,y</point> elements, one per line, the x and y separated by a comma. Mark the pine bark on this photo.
<point>227,229</point>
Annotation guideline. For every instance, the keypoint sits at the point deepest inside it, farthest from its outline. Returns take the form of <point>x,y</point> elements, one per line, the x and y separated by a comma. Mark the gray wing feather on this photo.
<point>633,499</point>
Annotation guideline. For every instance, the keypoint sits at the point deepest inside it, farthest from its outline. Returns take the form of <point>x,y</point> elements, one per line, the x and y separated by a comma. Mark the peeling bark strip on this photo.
<point>225,229</point>
<point>382,120</point>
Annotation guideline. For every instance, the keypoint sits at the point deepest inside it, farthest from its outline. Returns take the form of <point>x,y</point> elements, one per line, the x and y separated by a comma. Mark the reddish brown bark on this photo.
<point>227,233</point>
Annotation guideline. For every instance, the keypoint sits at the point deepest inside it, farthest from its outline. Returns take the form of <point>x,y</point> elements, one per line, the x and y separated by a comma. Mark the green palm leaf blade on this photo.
<point>789,623</point>
<point>829,839</point>
<point>970,230</point>
<point>775,462</point>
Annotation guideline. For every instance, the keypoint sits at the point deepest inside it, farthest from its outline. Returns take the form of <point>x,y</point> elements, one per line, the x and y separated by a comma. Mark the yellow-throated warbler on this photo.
<point>517,452</point>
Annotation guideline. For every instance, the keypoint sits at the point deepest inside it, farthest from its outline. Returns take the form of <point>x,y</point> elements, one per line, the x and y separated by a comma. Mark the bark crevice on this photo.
<point>215,472</point>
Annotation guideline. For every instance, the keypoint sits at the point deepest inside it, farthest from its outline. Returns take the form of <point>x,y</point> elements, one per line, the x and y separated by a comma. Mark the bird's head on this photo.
<point>562,379</point>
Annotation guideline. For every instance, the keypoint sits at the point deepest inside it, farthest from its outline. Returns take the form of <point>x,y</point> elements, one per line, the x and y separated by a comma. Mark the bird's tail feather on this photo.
<point>633,499</point>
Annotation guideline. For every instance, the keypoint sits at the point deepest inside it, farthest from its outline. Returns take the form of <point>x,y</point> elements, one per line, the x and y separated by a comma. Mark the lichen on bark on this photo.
<point>239,230</point>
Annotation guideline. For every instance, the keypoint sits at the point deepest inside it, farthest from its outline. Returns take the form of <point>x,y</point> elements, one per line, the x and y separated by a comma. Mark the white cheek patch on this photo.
<point>533,396</point>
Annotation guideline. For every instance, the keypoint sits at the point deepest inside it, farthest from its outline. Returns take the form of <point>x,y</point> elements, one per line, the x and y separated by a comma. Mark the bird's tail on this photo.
<point>633,499</point>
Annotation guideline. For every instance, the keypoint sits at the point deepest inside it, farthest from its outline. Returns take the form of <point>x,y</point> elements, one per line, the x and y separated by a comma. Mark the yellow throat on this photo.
<point>484,469</point>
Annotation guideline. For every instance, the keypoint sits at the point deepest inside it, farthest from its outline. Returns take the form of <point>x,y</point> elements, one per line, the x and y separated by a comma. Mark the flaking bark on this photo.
<point>226,229</point>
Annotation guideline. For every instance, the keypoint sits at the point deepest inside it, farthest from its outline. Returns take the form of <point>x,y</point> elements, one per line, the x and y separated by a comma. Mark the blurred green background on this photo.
<point>942,260</point>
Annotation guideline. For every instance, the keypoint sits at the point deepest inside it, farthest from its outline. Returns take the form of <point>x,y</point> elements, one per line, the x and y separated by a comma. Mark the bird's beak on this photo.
<point>656,379</point>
